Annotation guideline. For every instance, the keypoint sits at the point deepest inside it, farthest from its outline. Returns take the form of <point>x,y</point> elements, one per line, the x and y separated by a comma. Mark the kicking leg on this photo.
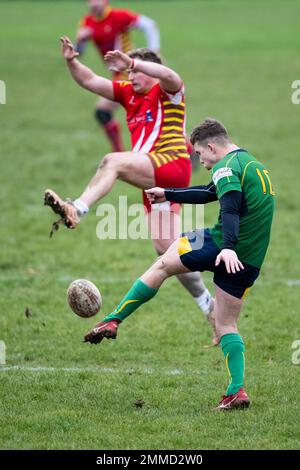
<point>227,310</point>
<point>144,289</point>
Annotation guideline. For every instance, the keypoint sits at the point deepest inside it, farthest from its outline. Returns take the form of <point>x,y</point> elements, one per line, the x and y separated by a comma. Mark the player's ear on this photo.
<point>211,147</point>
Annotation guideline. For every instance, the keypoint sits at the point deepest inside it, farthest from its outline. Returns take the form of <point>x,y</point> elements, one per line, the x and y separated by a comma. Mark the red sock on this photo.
<point>113,132</point>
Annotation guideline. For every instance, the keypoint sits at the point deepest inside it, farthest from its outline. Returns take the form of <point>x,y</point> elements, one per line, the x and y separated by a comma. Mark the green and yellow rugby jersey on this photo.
<point>240,171</point>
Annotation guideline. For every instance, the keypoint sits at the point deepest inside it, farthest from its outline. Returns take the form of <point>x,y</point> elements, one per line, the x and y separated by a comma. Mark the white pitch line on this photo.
<point>104,370</point>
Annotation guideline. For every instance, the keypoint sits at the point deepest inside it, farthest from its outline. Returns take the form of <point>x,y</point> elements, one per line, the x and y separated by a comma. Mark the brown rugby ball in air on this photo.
<point>84,298</point>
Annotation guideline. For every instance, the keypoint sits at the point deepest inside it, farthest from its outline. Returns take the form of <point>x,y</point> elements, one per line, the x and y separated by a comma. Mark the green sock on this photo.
<point>136,296</point>
<point>233,349</point>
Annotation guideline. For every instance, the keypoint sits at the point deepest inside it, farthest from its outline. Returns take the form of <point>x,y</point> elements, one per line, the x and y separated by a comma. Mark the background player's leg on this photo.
<point>104,114</point>
<point>164,226</point>
<point>227,310</point>
<point>134,168</point>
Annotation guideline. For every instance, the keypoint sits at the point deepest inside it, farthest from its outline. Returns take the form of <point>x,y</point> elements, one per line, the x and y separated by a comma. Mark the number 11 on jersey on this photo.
<point>263,182</point>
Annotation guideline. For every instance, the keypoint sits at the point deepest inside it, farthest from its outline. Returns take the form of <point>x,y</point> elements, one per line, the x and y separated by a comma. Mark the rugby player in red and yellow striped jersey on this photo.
<point>109,29</point>
<point>154,101</point>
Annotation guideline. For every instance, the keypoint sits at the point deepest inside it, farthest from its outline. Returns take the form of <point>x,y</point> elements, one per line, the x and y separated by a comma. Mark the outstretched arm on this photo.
<point>84,76</point>
<point>191,195</point>
<point>170,81</point>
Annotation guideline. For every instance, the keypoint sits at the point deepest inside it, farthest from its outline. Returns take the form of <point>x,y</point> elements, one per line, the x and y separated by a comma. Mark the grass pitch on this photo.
<point>238,60</point>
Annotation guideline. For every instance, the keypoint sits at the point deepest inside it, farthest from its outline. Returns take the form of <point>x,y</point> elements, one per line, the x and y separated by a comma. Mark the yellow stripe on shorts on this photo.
<point>246,293</point>
<point>184,246</point>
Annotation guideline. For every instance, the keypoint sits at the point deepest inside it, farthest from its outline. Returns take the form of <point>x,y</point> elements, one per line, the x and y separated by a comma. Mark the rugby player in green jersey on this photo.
<point>234,249</point>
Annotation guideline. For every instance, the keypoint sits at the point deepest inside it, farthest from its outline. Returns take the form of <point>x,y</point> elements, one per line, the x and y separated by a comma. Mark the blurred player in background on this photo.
<point>109,29</point>
<point>155,104</point>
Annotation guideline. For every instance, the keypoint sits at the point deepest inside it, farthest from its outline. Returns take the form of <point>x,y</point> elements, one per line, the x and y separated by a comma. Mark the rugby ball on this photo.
<point>84,298</point>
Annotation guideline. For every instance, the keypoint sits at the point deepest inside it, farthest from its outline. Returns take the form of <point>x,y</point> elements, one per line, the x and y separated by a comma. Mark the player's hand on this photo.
<point>67,48</point>
<point>117,61</point>
<point>230,259</point>
<point>155,195</point>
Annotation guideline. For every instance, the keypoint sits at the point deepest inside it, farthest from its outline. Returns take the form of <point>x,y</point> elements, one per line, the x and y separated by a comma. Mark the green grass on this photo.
<point>238,60</point>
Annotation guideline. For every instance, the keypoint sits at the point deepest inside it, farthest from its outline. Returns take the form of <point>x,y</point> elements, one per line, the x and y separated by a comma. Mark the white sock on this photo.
<point>204,301</point>
<point>81,207</point>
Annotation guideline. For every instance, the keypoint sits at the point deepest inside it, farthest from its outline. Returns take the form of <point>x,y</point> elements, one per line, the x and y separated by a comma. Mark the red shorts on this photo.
<point>176,174</point>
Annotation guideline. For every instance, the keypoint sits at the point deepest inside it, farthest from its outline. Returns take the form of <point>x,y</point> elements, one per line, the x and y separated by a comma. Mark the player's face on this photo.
<point>141,83</point>
<point>97,6</point>
<point>206,154</point>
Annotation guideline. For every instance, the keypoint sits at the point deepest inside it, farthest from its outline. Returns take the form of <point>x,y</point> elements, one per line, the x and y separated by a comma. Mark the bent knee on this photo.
<point>110,160</point>
<point>103,116</point>
<point>164,266</point>
<point>161,245</point>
